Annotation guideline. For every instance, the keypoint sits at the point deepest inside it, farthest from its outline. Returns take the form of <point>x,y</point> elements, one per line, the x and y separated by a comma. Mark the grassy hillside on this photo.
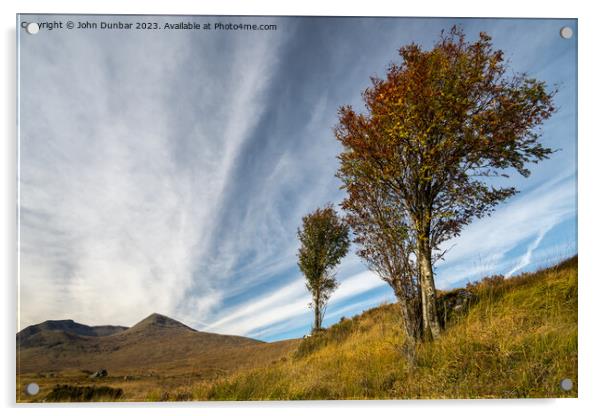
<point>156,383</point>
<point>519,339</point>
<point>151,360</point>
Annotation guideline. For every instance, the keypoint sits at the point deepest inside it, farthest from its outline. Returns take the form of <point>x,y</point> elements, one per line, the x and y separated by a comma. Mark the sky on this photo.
<point>167,171</point>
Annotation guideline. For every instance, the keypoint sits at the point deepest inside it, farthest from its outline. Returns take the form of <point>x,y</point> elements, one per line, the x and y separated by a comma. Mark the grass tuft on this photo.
<point>69,393</point>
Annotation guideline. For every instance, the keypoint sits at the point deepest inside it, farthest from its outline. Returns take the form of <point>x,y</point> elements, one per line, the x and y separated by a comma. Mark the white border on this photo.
<point>589,194</point>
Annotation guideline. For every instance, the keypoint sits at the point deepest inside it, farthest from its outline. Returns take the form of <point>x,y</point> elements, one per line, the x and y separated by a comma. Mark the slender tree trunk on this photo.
<point>317,312</point>
<point>317,323</point>
<point>410,331</point>
<point>431,328</point>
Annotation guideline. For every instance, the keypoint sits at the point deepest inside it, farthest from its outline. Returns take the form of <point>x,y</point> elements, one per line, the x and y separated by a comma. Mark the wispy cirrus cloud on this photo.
<point>522,219</point>
<point>287,302</point>
<point>118,198</point>
<point>526,217</point>
<point>525,260</point>
<point>169,172</point>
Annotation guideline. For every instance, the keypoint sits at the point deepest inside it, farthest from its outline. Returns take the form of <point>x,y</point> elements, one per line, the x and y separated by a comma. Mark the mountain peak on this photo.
<point>158,321</point>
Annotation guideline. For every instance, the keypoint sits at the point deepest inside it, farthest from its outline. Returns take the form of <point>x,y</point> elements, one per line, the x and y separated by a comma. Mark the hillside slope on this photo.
<point>519,339</point>
<point>150,361</point>
<point>157,343</point>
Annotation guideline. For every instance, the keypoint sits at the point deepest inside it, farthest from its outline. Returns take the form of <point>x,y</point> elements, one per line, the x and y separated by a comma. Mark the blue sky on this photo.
<point>168,171</point>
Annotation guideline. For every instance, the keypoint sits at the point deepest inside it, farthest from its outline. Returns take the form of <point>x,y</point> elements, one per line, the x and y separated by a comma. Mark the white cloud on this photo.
<point>112,223</point>
<point>286,303</point>
<point>486,242</point>
<point>525,259</point>
<point>135,198</point>
<point>293,293</point>
<point>356,284</point>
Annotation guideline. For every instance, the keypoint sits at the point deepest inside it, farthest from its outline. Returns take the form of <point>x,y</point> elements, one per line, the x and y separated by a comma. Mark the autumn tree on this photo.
<point>324,239</point>
<point>438,127</point>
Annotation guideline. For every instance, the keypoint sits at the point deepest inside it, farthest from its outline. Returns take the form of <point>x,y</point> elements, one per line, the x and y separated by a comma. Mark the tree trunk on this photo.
<point>431,328</point>
<point>317,323</point>
<point>317,313</point>
<point>410,328</point>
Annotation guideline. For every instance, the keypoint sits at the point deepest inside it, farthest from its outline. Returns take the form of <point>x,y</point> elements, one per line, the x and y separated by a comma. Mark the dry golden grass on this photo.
<point>518,340</point>
<point>166,379</point>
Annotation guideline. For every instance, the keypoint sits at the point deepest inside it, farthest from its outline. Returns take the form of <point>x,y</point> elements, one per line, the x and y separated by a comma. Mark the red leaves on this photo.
<point>437,121</point>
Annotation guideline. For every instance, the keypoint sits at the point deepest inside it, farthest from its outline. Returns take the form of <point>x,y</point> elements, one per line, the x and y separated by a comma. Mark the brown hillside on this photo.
<point>49,331</point>
<point>157,344</point>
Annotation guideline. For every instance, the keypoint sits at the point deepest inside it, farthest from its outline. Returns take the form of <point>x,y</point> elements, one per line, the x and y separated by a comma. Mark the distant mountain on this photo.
<point>157,343</point>
<point>50,331</point>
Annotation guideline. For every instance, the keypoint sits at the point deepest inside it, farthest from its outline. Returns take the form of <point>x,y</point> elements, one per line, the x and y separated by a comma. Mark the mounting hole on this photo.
<point>566,384</point>
<point>32,389</point>
<point>32,28</point>
<point>566,32</point>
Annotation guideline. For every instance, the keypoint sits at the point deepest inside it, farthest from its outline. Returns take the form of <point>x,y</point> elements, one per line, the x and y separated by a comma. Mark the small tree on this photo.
<point>439,124</point>
<point>324,241</point>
